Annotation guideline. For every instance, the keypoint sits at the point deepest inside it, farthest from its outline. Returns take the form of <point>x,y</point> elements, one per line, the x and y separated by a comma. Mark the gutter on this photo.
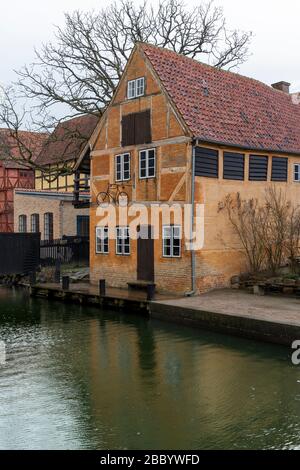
<point>193,254</point>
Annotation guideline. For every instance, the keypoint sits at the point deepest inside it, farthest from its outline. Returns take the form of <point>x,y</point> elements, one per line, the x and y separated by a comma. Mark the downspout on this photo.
<point>193,254</point>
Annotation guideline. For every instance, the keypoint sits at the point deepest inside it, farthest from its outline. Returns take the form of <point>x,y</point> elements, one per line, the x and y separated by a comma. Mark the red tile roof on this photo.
<point>225,107</point>
<point>8,145</point>
<point>68,140</point>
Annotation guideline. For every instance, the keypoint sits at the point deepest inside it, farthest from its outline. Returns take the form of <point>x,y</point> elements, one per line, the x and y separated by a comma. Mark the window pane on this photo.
<point>167,232</point>
<point>140,85</point>
<point>167,250</point>
<point>176,232</point>
<point>131,89</point>
<point>176,251</point>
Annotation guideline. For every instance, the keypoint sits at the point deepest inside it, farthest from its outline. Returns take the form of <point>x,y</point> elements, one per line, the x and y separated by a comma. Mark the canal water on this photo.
<point>78,378</point>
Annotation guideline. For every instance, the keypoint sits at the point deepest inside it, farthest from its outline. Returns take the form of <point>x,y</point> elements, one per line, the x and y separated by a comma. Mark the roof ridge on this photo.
<point>209,66</point>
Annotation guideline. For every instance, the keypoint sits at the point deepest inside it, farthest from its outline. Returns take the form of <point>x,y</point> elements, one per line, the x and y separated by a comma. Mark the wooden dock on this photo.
<point>84,293</point>
<point>264,318</point>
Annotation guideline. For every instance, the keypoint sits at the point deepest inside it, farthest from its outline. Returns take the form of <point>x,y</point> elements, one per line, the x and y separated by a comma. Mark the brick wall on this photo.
<point>64,214</point>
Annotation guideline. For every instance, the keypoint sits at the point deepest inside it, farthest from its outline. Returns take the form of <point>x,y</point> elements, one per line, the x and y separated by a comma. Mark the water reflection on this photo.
<point>80,378</point>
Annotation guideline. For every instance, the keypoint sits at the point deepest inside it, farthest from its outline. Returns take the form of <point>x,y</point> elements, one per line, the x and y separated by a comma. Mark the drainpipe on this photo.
<point>193,254</point>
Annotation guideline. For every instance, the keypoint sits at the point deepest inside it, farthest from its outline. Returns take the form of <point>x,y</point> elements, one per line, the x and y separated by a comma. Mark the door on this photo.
<point>83,226</point>
<point>145,254</point>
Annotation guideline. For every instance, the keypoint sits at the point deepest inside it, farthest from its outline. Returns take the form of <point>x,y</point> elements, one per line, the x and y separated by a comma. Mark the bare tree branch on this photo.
<point>81,69</point>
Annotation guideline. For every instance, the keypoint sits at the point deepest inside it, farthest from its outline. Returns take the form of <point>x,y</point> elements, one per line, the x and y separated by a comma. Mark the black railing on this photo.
<point>71,250</point>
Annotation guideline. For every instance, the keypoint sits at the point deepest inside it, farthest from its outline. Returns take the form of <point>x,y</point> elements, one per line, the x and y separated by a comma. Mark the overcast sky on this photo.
<point>275,24</point>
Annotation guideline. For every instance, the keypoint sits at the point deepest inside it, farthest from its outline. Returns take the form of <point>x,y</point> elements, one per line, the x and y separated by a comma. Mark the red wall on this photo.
<point>10,179</point>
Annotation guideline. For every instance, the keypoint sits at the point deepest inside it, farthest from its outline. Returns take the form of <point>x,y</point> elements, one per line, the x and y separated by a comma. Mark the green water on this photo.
<point>78,378</point>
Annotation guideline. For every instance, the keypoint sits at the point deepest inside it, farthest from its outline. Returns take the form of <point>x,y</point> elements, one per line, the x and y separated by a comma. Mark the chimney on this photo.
<point>282,86</point>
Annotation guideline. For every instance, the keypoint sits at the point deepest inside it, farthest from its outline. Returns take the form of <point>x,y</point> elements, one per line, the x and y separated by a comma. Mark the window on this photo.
<point>136,88</point>
<point>122,241</point>
<point>25,173</point>
<point>279,169</point>
<point>233,166</point>
<point>22,223</point>
<point>122,167</point>
<point>297,172</point>
<point>101,239</point>
<point>258,168</point>
<point>48,226</point>
<point>206,162</point>
<point>172,241</point>
<point>147,163</point>
<point>35,223</point>
<point>136,128</point>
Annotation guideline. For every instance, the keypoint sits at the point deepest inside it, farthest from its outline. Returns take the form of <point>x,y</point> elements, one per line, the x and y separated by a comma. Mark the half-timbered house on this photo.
<point>179,131</point>
<point>14,174</point>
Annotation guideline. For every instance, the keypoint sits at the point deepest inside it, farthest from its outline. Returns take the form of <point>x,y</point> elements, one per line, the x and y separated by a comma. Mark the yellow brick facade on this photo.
<point>64,213</point>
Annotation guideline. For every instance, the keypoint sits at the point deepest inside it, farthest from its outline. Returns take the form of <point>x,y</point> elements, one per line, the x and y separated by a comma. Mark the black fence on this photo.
<point>68,250</point>
<point>19,253</point>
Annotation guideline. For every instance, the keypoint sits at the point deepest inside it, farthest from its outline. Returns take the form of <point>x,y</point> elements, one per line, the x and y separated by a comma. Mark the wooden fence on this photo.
<point>19,253</point>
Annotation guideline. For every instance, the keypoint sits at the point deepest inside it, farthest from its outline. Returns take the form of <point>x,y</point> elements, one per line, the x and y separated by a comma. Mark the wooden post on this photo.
<point>65,282</point>
<point>32,278</point>
<point>57,272</point>
<point>150,291</point>
<point>102,287</point>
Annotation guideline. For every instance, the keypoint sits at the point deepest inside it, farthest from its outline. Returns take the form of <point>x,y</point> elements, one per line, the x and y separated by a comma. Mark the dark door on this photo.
<point>83,226</point>
<point>145,254</point>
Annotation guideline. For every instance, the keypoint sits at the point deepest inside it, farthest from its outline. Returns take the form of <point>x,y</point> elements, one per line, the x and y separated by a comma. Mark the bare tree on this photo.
<point>78,73</point>
<point>82,68</point>
<point>247,220</point>
<point>26,146</point>
<point>269,231</point>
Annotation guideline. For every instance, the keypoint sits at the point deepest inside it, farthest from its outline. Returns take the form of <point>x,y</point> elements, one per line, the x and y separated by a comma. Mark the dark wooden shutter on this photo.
<point>206,162</point>
<point>136,128</point>
<point>128,131</point>
<point>233,166</point>
<point>258,168</point>
<point>142,127</point>
<point>279,169</point>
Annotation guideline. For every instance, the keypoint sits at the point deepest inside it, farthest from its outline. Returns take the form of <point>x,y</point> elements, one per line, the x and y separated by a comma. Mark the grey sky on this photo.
<point>275,24</point>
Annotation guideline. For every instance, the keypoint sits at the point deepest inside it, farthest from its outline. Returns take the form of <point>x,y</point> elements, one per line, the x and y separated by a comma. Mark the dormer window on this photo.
<point>136,88</point>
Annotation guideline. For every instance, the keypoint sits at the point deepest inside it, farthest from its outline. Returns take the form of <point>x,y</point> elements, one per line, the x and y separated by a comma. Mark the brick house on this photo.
<point>13,174</point>
<point>181,131</point>
<point>49,208</point>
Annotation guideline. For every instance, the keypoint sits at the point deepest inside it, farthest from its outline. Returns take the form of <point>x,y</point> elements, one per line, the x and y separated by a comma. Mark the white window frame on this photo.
<point>136,88</point>
<point>22,223</point>
<point>101,247</point>
<point>296,166</point>
<point>171,228</point>
<point>147,163</point>
<point>122,155</point>
<point>34,218</point>
<point>122,238</point>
